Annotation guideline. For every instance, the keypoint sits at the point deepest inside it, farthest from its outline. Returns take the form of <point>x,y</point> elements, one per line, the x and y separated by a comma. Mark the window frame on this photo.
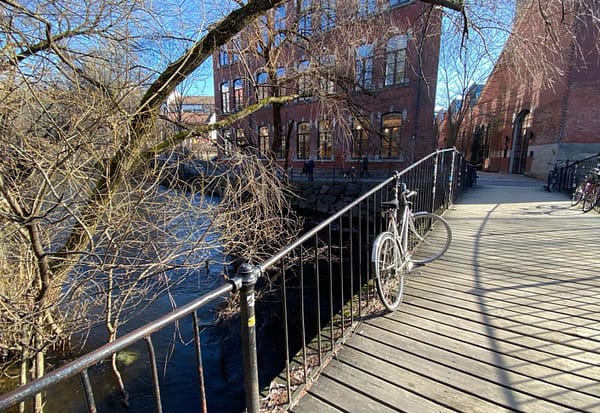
<point>325,141</point>
<point>363,67</point>
<point>395,60</point>
<point>360,130</point>
<point>303,140</point>
<point>225,97</point>
<point>391,136</point>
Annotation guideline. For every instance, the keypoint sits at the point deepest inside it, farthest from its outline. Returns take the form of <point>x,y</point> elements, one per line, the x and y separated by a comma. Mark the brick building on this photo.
<point>357,80</point>
<point>526,119</point>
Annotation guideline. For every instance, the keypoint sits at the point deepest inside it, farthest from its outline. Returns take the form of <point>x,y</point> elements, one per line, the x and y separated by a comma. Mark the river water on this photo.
<point>176,357</point>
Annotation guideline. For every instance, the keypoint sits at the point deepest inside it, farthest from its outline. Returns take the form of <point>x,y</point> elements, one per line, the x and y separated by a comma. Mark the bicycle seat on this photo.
<point>393,204</point>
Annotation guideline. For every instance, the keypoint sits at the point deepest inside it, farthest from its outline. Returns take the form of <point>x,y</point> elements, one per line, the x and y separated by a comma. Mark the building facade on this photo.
<point>538,105</point>
<point>351,82</point>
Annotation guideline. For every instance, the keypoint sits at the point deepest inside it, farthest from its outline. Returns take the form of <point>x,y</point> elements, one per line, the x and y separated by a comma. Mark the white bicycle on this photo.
<point>421,238</point>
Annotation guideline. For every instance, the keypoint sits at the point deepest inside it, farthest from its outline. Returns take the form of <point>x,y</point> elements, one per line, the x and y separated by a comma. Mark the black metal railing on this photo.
<point>319,287</point>
<point>574,171</point>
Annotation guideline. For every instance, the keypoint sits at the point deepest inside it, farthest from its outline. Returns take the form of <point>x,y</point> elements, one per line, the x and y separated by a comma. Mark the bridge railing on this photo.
<point>320,286</point>
<point>570,174</point>
<point>325,276</point>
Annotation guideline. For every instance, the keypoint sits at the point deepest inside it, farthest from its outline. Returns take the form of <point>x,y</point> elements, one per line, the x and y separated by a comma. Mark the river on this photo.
<point>176,359</point>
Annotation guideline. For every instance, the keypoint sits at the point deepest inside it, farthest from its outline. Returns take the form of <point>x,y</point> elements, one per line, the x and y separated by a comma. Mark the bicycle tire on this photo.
<point>552,183</point>
<point>429,237</point>
<point>578,194</point>
<point>389,270</point>
<point>591,199</point>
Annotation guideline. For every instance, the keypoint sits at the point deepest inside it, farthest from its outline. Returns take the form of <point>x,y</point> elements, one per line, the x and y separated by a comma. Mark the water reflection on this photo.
<point>174,345</point>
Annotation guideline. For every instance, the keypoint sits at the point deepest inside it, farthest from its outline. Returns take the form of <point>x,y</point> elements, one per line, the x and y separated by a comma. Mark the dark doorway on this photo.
<point>520,142</point>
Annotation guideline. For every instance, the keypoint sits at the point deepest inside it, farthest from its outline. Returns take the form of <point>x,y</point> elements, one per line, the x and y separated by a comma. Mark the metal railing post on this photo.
<point>435,171</point>
<point>452,180</point>
<point>249,277</point>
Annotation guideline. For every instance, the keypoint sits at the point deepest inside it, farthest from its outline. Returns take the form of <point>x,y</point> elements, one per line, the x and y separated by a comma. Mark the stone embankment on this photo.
<point>326,198</point>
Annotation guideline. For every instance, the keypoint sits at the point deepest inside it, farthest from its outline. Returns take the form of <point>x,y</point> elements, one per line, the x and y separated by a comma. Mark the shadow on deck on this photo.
<point>507,320</point>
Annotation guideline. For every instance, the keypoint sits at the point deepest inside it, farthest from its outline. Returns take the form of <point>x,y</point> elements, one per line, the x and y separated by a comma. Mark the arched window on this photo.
<point>303,141</point>
<point>238,94</point>
<point>262,89</point>
<point>391,124</point>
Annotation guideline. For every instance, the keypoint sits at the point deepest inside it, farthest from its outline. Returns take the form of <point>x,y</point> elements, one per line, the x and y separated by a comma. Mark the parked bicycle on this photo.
<point>553,181</point>
<point>588,191</point>
<point>418,238</point>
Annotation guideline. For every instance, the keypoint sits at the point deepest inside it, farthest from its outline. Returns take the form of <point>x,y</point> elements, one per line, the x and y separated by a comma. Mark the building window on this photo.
<point>325,140</point>
<point>240,137</point>
<point>390,139</point>
<point>262,90</point>
<point>264,141</point>
<point>223,56</point>
<point>280,75</point>
<point>303,78</point>
<point>364,66</point>
<point>395,61</point>
<point>303,141</point>
<point>360,138</point>
<point>238,94</point>
<point>282,152</point>
<point>279,17</point>
<point>235,49</point>
<point>225,103</point>
<point>328,14</point>
<point>366,7</point>
<point>305,21</point>
<point>327,70</point>
<point>227,146</point>
<point>398,2</point>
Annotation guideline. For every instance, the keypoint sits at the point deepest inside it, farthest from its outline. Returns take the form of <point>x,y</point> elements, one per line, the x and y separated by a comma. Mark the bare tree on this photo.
<point>85,223</point>
<point>84,220</point>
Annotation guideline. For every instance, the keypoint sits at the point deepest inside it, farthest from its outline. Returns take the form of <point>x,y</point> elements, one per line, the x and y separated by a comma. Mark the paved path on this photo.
<point>508,320</point>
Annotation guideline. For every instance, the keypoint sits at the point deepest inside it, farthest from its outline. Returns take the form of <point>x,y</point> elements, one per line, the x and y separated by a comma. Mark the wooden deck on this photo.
<point>508,320</point>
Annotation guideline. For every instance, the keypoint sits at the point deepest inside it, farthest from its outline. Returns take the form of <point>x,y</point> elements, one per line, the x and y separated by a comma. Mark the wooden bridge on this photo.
<point>507,320</point>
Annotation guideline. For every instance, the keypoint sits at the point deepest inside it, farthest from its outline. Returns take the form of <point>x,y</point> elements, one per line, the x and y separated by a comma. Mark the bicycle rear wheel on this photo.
<point>389,270</point>
<point>578,194</point>
<point>591,199</point>
<point>429,237</point>
<point>552,182</point>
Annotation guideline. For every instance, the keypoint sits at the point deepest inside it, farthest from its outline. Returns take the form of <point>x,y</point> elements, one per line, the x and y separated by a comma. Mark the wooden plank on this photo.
<point>525,348</point>
<point>464,385</point>
<point>493,370</point>
<point>310,403</point>
<point>343,397</point>
<point>502,300</point>
<point>498,312</point>
<point>387,392</point>
<point>437,398</point>
<point>513,358</point>
<point>550,343</point>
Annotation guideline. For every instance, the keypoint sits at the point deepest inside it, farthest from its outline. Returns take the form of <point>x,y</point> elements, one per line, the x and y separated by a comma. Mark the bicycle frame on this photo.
<point>400,232</point>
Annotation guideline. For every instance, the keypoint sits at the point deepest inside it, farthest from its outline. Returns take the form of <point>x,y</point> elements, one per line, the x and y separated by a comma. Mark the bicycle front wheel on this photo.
<point>429,237</point>
<point>389,270</point>
<point>591,199</point>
